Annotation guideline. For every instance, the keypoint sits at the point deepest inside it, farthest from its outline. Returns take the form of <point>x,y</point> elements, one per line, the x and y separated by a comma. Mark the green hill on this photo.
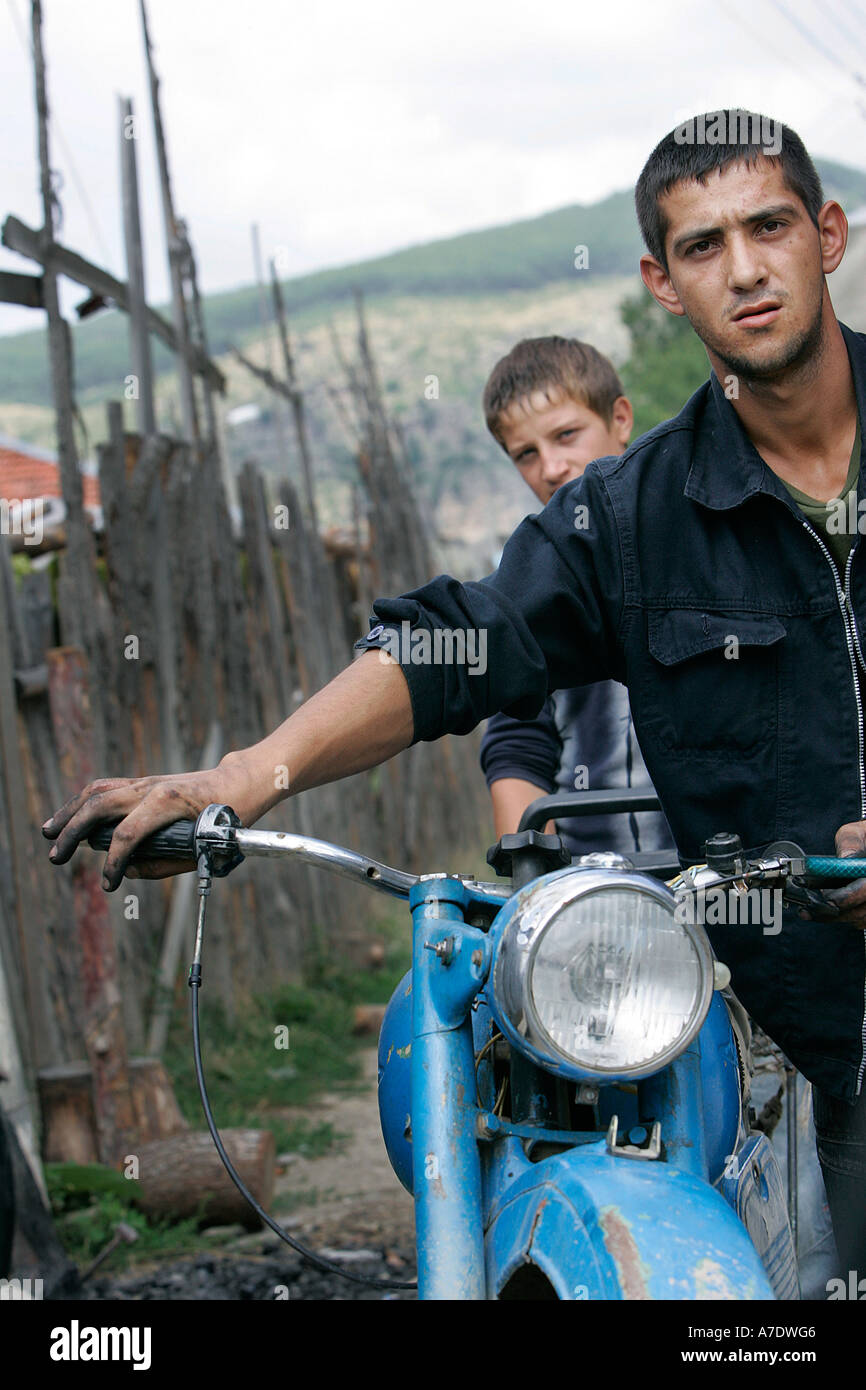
<point>521,256</point>
<point>445,311</point>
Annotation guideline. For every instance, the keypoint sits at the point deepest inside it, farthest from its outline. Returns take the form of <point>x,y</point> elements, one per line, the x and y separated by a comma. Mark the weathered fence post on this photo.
<point>104,1037</point>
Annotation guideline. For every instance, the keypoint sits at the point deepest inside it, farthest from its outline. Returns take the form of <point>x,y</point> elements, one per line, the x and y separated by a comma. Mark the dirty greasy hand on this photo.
<point>145,805</point>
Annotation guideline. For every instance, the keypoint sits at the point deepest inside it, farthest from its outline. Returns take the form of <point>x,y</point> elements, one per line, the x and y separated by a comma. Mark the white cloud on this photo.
<point>347,131</point>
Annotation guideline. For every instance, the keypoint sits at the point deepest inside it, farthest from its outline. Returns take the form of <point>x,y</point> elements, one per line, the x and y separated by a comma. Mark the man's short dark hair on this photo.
<point>565,365</point>
<point>711,141</point>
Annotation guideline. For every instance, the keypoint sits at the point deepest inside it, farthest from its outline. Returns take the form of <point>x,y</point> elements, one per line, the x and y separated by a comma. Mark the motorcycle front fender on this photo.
<point>595,1226</point>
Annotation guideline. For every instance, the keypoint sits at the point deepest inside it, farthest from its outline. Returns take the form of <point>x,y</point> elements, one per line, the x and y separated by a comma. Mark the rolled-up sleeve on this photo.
<point>548,618</point>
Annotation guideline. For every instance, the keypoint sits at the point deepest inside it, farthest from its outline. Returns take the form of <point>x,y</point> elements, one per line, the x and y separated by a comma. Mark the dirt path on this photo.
<point>352,1190</point>
<point>347,1205</point>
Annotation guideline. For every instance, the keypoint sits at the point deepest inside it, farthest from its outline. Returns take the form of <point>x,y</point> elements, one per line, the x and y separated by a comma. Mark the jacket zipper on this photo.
<point>854,655</point>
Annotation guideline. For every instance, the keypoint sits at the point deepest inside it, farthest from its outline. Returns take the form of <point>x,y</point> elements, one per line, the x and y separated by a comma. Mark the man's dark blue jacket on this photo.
<point>643,570</point>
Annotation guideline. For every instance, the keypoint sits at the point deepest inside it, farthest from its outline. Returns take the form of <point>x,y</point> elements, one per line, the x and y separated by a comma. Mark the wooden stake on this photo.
<point>267,338</point>
<point>104,1038</point>
<point>139,337</point>
<point>19,969</point>
<point>296,398</point>
<point>177,249</point>
<point>17,236</point>
<point>78,532</point>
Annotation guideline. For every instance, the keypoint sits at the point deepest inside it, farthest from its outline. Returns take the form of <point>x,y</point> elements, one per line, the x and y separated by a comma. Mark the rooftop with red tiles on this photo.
<point>26,471</point>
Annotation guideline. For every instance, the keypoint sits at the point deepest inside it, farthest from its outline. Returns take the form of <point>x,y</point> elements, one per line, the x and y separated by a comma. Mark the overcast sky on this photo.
<point>347,130</point>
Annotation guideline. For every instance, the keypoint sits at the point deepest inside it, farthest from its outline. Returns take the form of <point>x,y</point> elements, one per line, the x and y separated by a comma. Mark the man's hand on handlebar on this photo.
<point>145,804</point>
<point>851,899</point>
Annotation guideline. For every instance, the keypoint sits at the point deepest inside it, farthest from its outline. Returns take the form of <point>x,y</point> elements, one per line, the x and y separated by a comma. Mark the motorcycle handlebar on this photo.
<point>176,841</point>
<point>822,866</point>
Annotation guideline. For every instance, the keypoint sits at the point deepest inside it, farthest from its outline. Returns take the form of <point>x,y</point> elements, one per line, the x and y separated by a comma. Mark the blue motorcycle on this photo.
<point>562,1073</point>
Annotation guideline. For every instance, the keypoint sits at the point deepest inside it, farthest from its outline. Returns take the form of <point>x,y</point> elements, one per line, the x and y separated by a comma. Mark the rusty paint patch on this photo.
<point>388,1058</point>
<point>633,1273</point>
<point>405,1051</point>
<point>712,1282</point>
<point>539,1212</point>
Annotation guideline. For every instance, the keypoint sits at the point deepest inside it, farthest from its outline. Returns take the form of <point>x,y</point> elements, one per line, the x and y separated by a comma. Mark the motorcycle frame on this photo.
<point>451,960</point>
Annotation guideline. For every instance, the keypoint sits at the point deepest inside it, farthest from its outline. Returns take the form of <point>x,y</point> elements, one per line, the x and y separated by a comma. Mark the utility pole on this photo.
<point>139,336</point>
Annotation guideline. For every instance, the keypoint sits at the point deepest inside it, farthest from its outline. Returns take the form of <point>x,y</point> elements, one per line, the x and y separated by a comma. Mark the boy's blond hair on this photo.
<point>578,370</point>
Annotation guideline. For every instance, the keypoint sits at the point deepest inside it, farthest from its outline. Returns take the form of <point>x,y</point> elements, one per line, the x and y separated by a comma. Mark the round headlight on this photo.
<point>595,976</point>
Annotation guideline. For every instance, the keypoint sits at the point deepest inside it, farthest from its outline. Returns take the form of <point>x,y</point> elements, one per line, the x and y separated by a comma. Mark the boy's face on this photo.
<point>551,438</point>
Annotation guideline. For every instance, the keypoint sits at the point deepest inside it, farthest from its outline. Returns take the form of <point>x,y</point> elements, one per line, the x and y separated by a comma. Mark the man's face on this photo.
<point>745,262</point>
<point>552,438</point>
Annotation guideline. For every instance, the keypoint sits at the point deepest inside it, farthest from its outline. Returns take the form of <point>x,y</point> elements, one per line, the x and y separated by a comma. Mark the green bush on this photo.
<point>667,363</point>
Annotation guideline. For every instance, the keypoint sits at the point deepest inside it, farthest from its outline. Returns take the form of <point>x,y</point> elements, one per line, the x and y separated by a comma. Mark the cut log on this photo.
<point>68,1119</point>
<point>157,1113</point>
<point>183,1176</point>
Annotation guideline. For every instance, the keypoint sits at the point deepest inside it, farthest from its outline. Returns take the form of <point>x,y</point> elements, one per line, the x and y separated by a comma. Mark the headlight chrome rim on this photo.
<point>532,913</point>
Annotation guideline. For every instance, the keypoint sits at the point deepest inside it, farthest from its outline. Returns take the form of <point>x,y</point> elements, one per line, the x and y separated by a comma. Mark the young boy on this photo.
<point>554,404</point>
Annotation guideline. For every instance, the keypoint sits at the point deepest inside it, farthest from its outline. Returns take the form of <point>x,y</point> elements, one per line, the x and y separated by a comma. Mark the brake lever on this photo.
<point>784,862</point>
<point>798,885</point>
<point>800,895</point>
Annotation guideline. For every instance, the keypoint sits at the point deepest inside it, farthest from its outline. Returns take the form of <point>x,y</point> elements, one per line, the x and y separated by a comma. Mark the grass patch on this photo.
<point>88,1200</point>
<point>301,1137</point>
<point>287,1202</point>
<point>286,1045</point>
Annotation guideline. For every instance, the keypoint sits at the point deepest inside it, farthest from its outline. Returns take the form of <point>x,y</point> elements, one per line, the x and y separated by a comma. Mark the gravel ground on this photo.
<point>224,1277</point>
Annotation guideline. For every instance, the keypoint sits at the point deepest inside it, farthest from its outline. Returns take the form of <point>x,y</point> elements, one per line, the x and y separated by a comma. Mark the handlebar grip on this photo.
<point>821,866</point>
<point>175,841</point>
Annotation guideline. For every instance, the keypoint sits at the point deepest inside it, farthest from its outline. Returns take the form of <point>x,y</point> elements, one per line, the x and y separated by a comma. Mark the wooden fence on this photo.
<point>170,638</point>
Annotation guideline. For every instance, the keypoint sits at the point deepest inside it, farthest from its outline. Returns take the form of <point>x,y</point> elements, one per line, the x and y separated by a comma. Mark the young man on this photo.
<point>688,570</point>
<point>555,404</point>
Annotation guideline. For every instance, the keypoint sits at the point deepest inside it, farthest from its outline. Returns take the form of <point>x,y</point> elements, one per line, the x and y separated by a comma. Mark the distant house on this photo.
<point>28,473</point>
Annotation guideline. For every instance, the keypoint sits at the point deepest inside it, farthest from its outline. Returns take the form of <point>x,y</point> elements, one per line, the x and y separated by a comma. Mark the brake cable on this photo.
<point>327,1266</point>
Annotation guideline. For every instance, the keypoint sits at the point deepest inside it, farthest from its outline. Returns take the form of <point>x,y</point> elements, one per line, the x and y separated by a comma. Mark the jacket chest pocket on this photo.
<point>711,681</point>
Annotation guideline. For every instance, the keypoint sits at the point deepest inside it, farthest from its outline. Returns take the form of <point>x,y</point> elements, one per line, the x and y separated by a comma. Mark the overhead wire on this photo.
<point>855,10</point>
<point>793,63</point>
<point>811,76</point>
<point>834,19</point>
<point>89,211</point>
<point>816,43</point>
